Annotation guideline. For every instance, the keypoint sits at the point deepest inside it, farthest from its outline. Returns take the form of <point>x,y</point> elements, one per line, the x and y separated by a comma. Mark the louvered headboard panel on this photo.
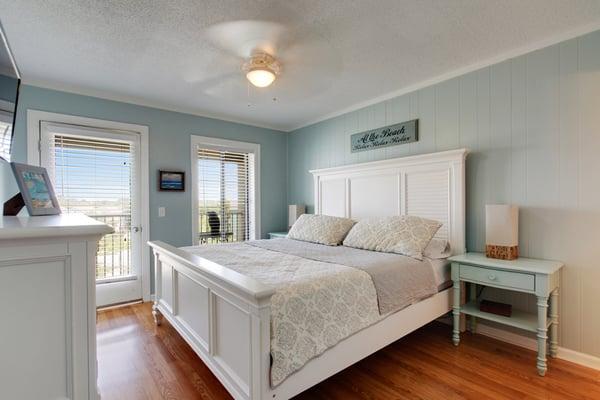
<point>427,194</point>
<point>428,185</point>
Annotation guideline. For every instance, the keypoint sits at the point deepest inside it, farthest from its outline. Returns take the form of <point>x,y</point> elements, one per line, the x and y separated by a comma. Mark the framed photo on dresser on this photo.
<point>36,189</point>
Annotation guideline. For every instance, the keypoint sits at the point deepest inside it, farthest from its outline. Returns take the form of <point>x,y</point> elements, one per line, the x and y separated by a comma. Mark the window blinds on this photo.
<point>225,193</point>
<point>5,134</point>
<point>94,176</point>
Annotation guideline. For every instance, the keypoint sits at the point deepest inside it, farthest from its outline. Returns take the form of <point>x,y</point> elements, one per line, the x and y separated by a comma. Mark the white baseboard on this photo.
<point>531,344</point>
<point>506,336</point>
<point>579,358</point>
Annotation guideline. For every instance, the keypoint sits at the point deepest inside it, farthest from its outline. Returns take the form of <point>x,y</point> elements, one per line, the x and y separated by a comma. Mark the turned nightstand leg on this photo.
<point>542,306</point>
<point>456,313</point>
<point>554,319</point>
<point>472,297</point>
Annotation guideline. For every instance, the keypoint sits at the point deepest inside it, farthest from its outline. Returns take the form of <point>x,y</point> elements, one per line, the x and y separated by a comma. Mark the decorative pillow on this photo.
<point>437,249</point>
<point>406,234</point>
<point>322,229</point>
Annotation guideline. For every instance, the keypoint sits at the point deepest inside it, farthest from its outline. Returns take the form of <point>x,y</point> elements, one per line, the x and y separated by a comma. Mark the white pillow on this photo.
<point>322,229</point>
<point>406,234</point>
<point>437,249</point>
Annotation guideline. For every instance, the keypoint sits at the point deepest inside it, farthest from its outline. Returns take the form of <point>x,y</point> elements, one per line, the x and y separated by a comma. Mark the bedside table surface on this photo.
<point>520,264</point>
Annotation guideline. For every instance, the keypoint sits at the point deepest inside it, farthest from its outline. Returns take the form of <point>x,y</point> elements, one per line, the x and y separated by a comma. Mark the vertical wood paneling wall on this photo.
<point>532,124</point>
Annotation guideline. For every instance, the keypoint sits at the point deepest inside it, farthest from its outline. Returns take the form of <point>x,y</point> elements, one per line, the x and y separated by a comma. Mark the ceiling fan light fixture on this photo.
<point>261,69</point>
<point>260,77</point>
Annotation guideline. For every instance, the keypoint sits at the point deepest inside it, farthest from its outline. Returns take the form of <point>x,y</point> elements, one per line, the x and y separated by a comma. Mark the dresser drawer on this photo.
<point>515,280</point>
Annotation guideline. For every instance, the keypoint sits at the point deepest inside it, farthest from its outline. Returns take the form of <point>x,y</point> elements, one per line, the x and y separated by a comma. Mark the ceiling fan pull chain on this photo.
<point>248,93</point>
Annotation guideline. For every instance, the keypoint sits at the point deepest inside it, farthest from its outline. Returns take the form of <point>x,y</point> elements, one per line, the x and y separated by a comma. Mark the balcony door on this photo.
<point>97,172</point>
<point>225,190</point>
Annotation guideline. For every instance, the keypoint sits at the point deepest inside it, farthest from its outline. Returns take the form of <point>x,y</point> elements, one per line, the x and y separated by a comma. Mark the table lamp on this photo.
<point>502,231</point>
<point>295,211</point>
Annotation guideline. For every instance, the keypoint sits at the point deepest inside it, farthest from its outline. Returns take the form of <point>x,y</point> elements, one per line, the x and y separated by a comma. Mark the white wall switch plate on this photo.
<point>161,211</point>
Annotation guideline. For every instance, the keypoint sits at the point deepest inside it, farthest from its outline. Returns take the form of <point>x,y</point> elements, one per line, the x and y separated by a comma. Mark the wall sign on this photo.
<point>392,135</point>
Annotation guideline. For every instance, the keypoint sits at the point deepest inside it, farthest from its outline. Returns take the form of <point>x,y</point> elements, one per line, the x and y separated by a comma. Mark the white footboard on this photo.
<point>223,315</point>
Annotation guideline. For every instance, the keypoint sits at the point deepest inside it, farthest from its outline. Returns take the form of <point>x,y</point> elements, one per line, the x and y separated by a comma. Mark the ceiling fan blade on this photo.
<point>309,67</point>
<point>208,85</point>
<point>244,37</point>
<point>210,65</point>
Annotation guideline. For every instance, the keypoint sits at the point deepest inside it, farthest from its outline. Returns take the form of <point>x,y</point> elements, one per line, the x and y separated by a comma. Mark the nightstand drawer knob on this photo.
<point>492,277</point>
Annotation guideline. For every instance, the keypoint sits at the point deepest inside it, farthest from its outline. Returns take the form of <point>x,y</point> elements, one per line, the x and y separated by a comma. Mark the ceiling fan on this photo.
<point>262,52</point>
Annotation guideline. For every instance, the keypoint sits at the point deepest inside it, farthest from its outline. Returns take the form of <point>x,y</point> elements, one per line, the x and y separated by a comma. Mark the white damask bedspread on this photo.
<point>316,304</point>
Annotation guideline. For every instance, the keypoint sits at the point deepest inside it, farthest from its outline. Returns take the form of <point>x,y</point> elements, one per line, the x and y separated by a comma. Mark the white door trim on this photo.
<point>224,145</point>
<point>34,119</point>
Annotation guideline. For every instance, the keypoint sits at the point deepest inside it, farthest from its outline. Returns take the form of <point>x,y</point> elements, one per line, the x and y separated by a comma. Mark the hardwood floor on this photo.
<point>140,361</point>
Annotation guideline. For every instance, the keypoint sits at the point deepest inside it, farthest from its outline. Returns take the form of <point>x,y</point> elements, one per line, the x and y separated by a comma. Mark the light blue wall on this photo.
<point>169,142</point>
<point>8,88</point>
<point>533,126</point>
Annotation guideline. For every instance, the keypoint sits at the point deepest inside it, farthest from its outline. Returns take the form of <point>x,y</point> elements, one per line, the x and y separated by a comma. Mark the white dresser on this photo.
<point>48,307</point>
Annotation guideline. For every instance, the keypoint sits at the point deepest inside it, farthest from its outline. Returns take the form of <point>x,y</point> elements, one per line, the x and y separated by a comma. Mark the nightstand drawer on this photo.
<point>515,280</point>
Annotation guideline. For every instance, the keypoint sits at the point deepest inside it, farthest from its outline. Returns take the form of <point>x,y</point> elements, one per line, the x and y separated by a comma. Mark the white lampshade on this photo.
<point>295,211</point>
<point>502,230</point>
<point>260,77</point>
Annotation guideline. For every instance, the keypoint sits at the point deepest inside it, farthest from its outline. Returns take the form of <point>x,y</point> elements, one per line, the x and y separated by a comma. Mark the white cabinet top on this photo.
<point>51,226</point>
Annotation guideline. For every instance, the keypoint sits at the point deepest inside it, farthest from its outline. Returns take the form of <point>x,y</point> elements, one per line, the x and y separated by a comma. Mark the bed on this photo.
<point>225,311</point>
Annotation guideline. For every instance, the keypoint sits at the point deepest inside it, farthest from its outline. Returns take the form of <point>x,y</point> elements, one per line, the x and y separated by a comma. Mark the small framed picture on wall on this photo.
<point>171,181</point>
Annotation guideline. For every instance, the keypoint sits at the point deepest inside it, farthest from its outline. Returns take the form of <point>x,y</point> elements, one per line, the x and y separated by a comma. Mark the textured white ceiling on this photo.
<point>160,53</point>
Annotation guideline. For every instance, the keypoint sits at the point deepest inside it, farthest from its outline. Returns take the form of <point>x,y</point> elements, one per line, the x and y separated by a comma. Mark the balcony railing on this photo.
<point>113,259</point>
<point>216,226</point>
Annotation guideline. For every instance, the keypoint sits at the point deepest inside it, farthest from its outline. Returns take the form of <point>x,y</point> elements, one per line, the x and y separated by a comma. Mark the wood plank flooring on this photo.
<point>138,360</point>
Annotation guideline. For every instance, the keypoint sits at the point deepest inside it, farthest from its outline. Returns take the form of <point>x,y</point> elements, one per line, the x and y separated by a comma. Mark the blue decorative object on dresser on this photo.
<point>538,277</point>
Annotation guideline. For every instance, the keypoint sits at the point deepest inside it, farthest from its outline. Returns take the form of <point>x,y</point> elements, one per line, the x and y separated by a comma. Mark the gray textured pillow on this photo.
<point>406,234</point>
<point>322,229</point>
<point>437,249</point>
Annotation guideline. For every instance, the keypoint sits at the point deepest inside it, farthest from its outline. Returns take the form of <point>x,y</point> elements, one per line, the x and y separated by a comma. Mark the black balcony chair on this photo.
<point>214,223</point>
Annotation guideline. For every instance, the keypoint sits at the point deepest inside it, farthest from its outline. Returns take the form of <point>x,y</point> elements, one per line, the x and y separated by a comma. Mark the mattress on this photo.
<point>399,280</point>
<point>316,303</point>
<point>441,272</point>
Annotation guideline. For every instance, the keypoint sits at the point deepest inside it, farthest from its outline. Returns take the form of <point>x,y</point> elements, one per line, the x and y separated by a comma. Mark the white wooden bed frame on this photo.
<point>225,316</point>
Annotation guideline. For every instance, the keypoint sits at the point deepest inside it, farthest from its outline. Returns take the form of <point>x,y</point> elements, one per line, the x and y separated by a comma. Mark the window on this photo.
<point>6,120</point>
<point>224,193</point>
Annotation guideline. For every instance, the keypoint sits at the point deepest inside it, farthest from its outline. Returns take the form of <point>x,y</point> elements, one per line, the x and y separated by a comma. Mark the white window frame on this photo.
<point>212,143</point>
<point>34,120</point>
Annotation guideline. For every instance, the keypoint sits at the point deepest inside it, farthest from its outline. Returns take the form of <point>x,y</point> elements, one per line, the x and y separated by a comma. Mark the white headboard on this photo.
<point>427,185</point>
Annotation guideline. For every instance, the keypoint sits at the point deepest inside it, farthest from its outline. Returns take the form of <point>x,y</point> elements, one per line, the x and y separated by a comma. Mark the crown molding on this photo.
<point>104,95</point>
<point>550,41</point>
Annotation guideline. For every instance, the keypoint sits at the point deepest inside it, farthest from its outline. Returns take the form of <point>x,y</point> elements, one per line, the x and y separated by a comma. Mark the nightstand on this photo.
<point>538,277</point>
<point>273,235</point>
